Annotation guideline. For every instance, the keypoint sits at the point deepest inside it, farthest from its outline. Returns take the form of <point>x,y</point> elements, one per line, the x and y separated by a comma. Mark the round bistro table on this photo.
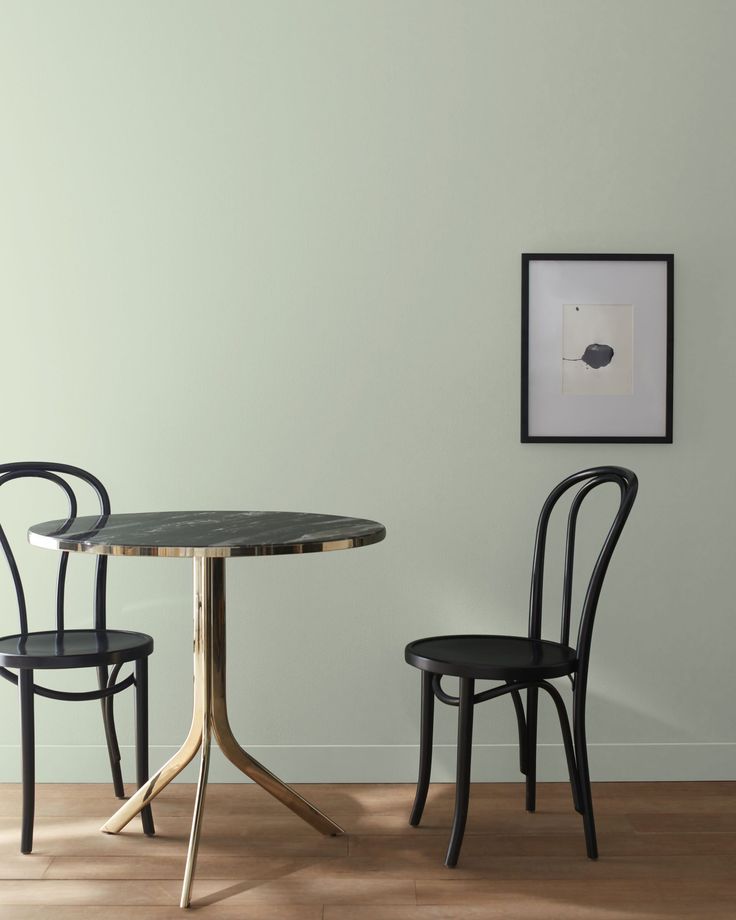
<point>209,537</point>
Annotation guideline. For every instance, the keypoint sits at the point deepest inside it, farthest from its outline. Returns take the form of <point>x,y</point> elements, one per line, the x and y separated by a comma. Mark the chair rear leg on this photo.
<point>141,738</point>
<point>113,749</point>
<point>581,756</point>
<point>425,749</point>
<point>28,758</point>
<point>462,782</point>
<point>572,768</point>
<point>532,701</point>
<point>521,722</point>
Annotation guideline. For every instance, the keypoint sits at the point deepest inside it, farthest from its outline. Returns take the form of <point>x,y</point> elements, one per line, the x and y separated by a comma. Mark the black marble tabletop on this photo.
<point>206,533</point>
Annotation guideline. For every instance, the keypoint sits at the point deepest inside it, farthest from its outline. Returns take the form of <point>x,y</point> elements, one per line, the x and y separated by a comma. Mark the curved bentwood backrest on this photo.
<point>53,472</point>
<point>588,480</point>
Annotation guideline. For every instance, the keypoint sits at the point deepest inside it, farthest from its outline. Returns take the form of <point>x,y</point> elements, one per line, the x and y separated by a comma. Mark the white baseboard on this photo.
<point>393,763</point>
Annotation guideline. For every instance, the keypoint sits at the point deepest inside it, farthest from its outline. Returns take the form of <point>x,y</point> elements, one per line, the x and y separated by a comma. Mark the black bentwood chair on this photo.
<point>63,648</point>
<point>523,664</point>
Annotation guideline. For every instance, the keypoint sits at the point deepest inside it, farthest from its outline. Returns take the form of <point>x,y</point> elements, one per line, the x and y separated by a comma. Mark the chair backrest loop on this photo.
<point>588,480</point>
<point>53,472</point>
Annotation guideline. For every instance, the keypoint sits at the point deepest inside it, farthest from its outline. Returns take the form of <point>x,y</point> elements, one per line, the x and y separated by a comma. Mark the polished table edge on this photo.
<point>208,552</point>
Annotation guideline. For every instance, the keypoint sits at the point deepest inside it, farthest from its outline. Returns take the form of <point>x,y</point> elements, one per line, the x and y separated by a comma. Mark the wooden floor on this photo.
<point>667,850</point>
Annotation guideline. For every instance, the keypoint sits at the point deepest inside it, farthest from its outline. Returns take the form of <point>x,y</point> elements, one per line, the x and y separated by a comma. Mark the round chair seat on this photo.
<point>73,648</point>
<point>491,657</point>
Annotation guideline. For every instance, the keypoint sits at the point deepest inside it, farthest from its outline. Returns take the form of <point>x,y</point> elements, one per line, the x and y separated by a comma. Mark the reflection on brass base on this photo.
<point>209,718</point>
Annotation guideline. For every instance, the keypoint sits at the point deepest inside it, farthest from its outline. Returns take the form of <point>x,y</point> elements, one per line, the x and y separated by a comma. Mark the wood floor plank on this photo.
<point>503,908</point>
<point>317,889</point>
<point>488,846</point>
<point>65,836</point>
<point>170,865</point>
<point>51,892</point>
<point>422,866</point>
<point>175,801</point>
<point>678,823</point>
<point>519,822</point>
<point>23,867</point>
<point>521,868</point>
<point>148,893</point>
<point>379,799</point>
<point>562,895</point>
<point>488,800</point>
<point>215,911</point>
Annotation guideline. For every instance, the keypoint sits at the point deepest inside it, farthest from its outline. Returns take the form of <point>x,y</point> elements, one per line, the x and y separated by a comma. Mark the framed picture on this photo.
<point>596,347</point>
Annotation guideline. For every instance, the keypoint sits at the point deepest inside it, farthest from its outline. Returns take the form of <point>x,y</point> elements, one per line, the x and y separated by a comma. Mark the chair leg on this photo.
<point>567,741</point>
<point>521,722</point>
<point>141,738</point>
<point>581,756</point>
<point>113,749</point>
<point>425,749</point>
<point>532,700</point>
<point>462,782</point>
<point>28,756</point>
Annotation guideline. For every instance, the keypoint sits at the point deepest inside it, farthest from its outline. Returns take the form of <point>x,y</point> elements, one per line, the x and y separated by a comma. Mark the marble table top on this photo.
<point>206,533</point>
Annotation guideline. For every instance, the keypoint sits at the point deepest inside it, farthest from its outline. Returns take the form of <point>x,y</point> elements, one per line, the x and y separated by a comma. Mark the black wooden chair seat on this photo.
<point>492,657</point>
<point>73,648</point>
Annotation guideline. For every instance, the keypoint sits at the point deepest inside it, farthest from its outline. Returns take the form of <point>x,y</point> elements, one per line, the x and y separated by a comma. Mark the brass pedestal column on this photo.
<point>209,717</point>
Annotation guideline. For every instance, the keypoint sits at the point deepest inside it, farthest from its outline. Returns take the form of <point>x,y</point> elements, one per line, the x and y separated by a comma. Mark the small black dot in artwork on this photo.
<point>578,309</point>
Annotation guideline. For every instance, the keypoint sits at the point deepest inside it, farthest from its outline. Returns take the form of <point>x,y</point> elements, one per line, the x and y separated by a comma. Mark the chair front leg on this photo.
<point>532,701</point>
<point>462,782</point>
<point>28,758</point>
<point>425,749</point>
<point>581,757</point>
<point>141,738</point>
<point>113,749</point>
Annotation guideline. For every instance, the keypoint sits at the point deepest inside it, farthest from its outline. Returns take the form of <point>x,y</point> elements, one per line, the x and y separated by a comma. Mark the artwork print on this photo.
<point>597,349</point>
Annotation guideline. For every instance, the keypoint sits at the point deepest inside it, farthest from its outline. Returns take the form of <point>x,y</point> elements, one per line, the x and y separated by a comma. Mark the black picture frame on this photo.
<point>663,437</point>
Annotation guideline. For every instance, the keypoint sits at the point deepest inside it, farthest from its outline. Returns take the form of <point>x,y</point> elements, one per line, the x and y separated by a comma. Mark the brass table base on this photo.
<point>209,718</point>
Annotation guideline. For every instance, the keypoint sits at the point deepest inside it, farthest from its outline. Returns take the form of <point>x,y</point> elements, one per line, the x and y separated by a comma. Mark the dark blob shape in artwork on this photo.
<point>596,356</point>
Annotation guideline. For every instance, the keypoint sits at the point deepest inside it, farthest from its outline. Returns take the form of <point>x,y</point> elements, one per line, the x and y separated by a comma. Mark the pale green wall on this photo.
<point>267,255</point>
